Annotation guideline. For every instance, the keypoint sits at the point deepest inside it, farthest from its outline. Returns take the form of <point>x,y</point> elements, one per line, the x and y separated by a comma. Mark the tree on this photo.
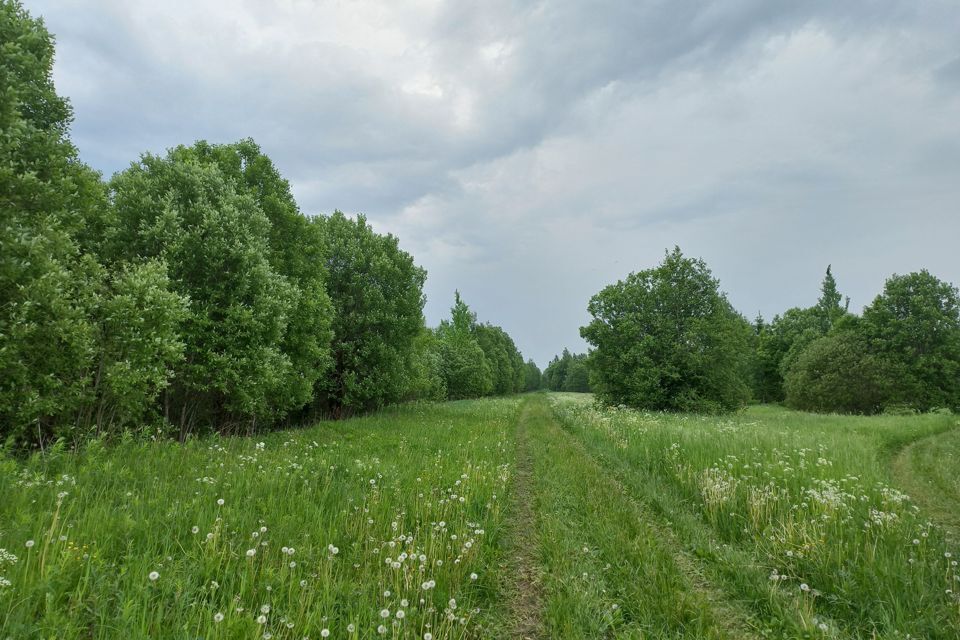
<point>555,375</point>
<point>47,338</point>
<point>533,379</point>
<point>780,344</point>
<point>668,339</point>
<point>466,370</point>
<point>296,252</point>
<point>427,379</point>
<point>377,295</point>
<point>828,305</point>
<point>578,375</point>
<point>568,372</point>
<point>914,326</point>
<point>501,353</point>
<point>138,320</point>
<point>213,237</point>
<point>837,373</point>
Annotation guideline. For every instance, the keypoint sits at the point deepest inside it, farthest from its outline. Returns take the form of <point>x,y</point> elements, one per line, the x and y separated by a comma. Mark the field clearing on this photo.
<point>538,516</point>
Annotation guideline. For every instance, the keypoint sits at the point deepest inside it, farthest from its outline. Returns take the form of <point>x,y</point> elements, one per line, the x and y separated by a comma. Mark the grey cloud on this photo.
<point>531,152</point>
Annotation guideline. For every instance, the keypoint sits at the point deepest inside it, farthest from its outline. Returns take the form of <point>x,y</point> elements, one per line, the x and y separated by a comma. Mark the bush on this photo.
<point>837,374</point>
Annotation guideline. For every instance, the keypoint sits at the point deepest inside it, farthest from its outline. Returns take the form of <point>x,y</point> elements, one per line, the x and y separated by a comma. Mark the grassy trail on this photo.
<point>788,517</point>
<point>929,470</point>
<point>607,570</point>
<point>521,573</point>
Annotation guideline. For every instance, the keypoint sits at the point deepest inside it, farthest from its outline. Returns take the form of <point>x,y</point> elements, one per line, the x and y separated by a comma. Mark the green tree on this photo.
<point>578,375</point>
<point>296,251</point>
<point>213,237</point>
<point>532,377</point>
<point>466,370</point>
<point>377,295</point>
<point>501,353</point>
<point>138,320</point>
<point>47,339</point>
<point>427,379</point>
<point>555,375</point>
<point>780,344</point>
<point>668,339</point>
<point>914,326</point>
<point>837,373</point>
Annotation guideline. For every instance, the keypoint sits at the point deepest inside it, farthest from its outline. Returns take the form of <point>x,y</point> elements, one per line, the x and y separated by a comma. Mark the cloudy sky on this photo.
<point>529,153</point>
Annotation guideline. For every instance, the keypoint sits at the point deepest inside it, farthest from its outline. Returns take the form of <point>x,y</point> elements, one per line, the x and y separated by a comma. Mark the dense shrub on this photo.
<point>837,374</point>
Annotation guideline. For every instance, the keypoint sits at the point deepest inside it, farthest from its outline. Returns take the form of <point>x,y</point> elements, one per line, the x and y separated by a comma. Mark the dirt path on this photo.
<point>526,598</point>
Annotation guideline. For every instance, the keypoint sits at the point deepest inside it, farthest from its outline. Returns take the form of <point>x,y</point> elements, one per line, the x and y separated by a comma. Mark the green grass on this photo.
<point>792,515</point>
<point>929,470</point>
<point>421,487</point>
<point>541,516</point>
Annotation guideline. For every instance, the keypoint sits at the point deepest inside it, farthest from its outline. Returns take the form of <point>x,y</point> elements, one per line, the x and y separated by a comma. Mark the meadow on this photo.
<point>540,516</point>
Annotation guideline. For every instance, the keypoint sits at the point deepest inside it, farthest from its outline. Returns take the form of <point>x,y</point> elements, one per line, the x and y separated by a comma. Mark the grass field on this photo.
<point>539,516</point>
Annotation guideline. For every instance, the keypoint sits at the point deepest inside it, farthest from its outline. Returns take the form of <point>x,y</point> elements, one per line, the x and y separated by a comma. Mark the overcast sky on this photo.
<point>530,153</point>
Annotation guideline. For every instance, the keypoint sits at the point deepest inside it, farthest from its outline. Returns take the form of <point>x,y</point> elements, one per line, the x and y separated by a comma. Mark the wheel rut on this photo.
<point>526,593</point>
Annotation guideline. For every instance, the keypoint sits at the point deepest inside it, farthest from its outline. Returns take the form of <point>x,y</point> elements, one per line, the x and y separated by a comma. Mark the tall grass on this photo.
<point>803,500</point>
<point>385,526</point>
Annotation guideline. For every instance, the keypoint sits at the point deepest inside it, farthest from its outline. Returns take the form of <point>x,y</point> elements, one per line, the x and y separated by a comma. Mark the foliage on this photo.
<point>837,373</point>
<point>46,339</point>
<point>914,326</point>
<point>532,377</point>
<point>667,339</point>
<point>296,251</point>
<point>780,344</point>
<point>377,295</point>
<point>214,239</point>
<point>466,370</point>
<point>506,363</point>
<point>568,372</point>
<point>138,320</point>
<point>427,375</point>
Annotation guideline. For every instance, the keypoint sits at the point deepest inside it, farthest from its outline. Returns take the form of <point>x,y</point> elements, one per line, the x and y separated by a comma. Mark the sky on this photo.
<point>531,153</point>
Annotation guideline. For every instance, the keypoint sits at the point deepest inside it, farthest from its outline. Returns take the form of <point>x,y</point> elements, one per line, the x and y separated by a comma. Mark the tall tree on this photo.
<point>780,343</point>
<point>466,370</point>
<point>214,239</point>
<point>914,326</point>
<point>47,337</point>
<point>533,378</point>
<point>296,251</point>
<point>377,295</point>
<point>668,339</point>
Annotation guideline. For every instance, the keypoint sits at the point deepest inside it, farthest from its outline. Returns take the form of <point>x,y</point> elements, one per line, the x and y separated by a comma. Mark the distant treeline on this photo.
<point>567,372</point>
<point>190,293</point>
<point>668,339</point>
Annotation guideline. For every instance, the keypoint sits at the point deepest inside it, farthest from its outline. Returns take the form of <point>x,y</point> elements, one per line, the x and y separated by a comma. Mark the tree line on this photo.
<point>667,338</point>
<point>189,292</point>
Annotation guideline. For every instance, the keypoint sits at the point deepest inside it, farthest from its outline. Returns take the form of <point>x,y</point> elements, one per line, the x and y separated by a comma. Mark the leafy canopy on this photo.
<point>667,339</point>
